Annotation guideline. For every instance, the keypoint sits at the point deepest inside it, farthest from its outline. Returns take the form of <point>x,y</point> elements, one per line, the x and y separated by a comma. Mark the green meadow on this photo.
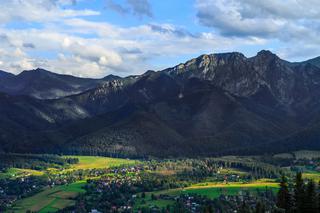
<point>312,176</point>
<point>50,199</point>
<point>214,190</point>
<point>94,162</point>
<point>210,190</point>
<point>59,197</point>
<point>16,173</point>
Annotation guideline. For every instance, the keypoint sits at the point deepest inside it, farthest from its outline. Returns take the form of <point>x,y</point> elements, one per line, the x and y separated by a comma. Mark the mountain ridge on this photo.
<point>43,84</point>
<point>211,105</point>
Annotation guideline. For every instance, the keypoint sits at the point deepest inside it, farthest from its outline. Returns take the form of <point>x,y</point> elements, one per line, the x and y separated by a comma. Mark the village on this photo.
<point>147,186</point>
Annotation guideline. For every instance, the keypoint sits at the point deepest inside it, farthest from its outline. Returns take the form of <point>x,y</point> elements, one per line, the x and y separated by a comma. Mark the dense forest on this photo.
<point>298,195</point>
<point>33,161</point>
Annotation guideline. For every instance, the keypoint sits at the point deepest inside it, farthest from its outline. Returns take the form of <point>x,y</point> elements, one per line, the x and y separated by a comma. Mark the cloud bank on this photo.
<point>62,37</point>
<point>295,23</point>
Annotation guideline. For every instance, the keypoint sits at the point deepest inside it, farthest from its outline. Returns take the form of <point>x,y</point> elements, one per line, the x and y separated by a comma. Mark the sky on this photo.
<point>95,38</point>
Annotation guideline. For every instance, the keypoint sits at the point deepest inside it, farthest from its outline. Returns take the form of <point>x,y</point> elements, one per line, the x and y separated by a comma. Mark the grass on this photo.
<point>16,173</point>
<point>50,199</point>
<point>85,162</point>
<point>148,202</point>
<point>312,176</point>
<point>214,190</point>
<point>210,189</point>
<point>232,171</point>
<point>59,197</point>
<point>93,162</point>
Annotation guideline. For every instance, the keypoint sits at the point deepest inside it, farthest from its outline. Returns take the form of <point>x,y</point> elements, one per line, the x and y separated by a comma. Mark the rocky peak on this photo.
<point>266,57</point>
<point>204,66</point>
<point>266,53</point>
<point>229,56</point>
<point>241,76</point>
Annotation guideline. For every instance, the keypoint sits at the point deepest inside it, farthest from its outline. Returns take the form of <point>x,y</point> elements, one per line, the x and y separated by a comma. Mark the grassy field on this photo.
<point>213,190</point>
<point>210,189</point>
<point>85,162</point>
<point>59,197</point>
<point>50,199</point>
<point>232,171</point>
<point>16,173</point>
<point>148,202</point>
<point>312,175</point>
<point>92,162</point>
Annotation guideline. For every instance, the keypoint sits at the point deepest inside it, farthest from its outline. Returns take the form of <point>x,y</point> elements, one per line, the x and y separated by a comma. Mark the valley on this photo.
<point>150,106</point>
<point>81,182</point>
<point>218,133</point>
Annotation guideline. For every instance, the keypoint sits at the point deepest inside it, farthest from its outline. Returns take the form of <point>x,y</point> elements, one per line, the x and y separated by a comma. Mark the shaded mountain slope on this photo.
<point>214,104</point>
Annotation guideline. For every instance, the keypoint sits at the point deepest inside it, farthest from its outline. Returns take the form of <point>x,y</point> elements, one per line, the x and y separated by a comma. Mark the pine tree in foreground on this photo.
<point>260,207</point>
<point>299,193</point>
<point>284,197</point>
<point>310,202</point>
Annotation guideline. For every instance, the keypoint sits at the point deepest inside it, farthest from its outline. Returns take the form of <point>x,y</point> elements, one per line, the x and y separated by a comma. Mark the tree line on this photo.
<point>34,161</point>
<point>298,196</point>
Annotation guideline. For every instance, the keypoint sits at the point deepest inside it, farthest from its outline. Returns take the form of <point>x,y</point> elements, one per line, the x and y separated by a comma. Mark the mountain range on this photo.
<point>211,105</point>
<point>43,84</point>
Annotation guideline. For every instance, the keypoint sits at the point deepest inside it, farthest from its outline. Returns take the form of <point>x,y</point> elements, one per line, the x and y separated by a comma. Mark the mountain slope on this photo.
<point>214,104</point>
<point>206,120</point>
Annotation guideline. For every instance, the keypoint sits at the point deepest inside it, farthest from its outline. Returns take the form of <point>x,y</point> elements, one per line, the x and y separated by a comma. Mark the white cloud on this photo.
<point>108,48</point>
<point>38,10</point>
<point>67,42</point>
<point>74,65</point>
<point>267,19</point>
<point>294,24</point>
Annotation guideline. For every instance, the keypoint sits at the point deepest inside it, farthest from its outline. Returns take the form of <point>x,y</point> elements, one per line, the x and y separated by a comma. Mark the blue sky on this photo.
<point>94,38</point>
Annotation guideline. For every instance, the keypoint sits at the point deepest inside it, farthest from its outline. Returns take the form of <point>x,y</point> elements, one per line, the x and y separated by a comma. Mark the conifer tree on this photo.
<point>260,208</point>
<point>319,196</point>
<point>299,193</point>
<point>244,208</point>
<point>284,197</point>
<point>310,202</point>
